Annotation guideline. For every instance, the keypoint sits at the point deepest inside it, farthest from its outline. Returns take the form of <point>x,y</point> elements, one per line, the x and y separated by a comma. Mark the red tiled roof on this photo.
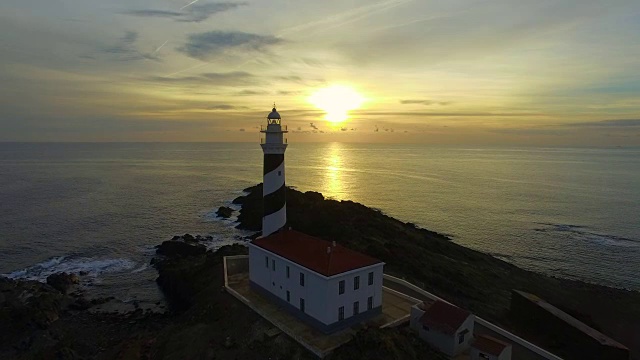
<point>444,317</point>
<point>311,252</point>
<point>490,345</point>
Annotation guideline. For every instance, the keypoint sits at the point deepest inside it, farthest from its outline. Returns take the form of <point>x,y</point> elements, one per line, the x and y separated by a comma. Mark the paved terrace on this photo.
<point>395,310</point>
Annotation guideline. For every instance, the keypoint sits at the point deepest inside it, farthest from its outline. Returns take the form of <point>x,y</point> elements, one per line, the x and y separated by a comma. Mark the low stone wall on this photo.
<point>236,264</point>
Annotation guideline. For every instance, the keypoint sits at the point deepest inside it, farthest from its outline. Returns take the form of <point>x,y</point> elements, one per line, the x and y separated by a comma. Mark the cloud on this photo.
<point>124,49</point>
<point>343,18</point>
<point>225,107</point>
<point>249,92</point>
<point>233,78</point>
<point>443,114</point>
<point>313,126</point>
<point>293,78</point>
<point>624,123</point>
<point>153,13</point>
<point>424,102</point>
<point>207,45</point>
<point>193,13</point>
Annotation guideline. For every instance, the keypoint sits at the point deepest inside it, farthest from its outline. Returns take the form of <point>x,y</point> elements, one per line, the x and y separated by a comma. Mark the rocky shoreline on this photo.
<point>56,321</point>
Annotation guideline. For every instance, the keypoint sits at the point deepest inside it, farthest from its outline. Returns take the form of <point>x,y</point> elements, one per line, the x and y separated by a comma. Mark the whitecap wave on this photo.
<point>583,233</point>
<point>140,269</point>
<point>88,266</point>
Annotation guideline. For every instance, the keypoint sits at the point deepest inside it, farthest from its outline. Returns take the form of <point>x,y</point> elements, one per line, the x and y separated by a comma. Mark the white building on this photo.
<point>486,347</point>
<point>326,285</point>
<point>446,327</point>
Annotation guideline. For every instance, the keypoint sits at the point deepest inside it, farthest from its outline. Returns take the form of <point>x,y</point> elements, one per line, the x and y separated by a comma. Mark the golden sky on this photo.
<point>561,72</point>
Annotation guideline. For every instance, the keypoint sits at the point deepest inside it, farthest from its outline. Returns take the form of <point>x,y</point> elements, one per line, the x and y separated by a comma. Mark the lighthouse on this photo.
<point>273,144</point>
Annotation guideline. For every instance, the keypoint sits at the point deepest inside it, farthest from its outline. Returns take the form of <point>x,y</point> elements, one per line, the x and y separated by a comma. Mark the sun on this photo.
<point>336,101</point>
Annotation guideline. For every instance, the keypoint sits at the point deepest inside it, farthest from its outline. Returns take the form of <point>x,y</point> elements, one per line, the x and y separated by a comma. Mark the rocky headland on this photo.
<point>54,321</point>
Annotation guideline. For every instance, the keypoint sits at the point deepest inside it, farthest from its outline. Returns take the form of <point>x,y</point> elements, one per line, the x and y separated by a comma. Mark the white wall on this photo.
<point>320,293</point>
<point>468,338</point>
<point>276,282</point>
<point>414,319</point>
<point>443,342</point>
<point>336,300</point>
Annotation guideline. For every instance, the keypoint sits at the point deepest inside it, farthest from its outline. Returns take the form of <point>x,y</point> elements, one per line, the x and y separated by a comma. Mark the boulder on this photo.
<point>63,282</point>
<point>188,238</point>
<point>172,248</point>
<point>224,212</point>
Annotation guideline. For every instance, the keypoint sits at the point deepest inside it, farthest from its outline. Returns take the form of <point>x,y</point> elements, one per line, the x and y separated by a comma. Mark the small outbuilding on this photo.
<point>487,347</point>
<point>446,327</point>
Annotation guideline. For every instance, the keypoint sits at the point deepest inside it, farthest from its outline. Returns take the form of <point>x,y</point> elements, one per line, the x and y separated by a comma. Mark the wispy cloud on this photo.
<point>204,46</point>
<point>443,114</point>
<point>233,78</point>
<point>225,107</point>
<point>189,13</point>
<point>124,49</point>
<point>623,123</point>
<point>424,102</point>
<point>343,18</point>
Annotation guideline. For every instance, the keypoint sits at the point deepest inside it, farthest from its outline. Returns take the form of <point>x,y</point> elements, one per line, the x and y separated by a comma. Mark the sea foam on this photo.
<point>91,266</point>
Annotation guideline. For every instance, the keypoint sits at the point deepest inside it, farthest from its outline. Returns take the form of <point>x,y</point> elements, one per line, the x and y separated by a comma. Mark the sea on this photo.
<point>100,208</point>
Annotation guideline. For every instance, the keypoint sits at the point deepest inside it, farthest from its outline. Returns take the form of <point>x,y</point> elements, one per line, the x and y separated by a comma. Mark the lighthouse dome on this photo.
<point>273,114</point>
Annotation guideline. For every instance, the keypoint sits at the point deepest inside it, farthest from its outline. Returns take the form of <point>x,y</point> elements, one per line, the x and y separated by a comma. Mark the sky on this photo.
<point>473,72</point>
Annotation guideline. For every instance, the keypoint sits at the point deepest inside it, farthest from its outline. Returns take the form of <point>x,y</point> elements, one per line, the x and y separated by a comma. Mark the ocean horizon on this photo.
<point>100,208</point>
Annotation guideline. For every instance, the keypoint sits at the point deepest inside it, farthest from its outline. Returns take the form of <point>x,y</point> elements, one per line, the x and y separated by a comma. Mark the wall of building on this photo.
<point>335,300</point>
<point>320,294</point>
<point>414,318</point>
<point>443,342</point>
<point>468,339</point>
<point>276,282</point>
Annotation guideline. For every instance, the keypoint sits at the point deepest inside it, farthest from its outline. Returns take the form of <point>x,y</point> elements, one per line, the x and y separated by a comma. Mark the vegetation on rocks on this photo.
<point>473,280</point>
<point>204,322</point>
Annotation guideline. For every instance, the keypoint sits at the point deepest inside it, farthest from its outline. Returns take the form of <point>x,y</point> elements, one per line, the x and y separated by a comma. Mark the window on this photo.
<point>279,173</point>
<point>461,337</point>
<point>370,303</point>
<point>371,278</point>
<point>341,313</point>
<point>356,308</point>
<point>288,296</point>
<point>302,304</point>
<point>273,265</point>
<point>341,287</point>
<point>301,279</point>
<point>266,262</point>
<point>356,283</point>
<point>287,271</point>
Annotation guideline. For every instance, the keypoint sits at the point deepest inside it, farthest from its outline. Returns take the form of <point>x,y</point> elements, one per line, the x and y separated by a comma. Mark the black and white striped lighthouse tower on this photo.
<point>274,198</point>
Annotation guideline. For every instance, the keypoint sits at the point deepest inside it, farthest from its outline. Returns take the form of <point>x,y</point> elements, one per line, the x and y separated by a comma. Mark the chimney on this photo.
<point>329,250</point>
